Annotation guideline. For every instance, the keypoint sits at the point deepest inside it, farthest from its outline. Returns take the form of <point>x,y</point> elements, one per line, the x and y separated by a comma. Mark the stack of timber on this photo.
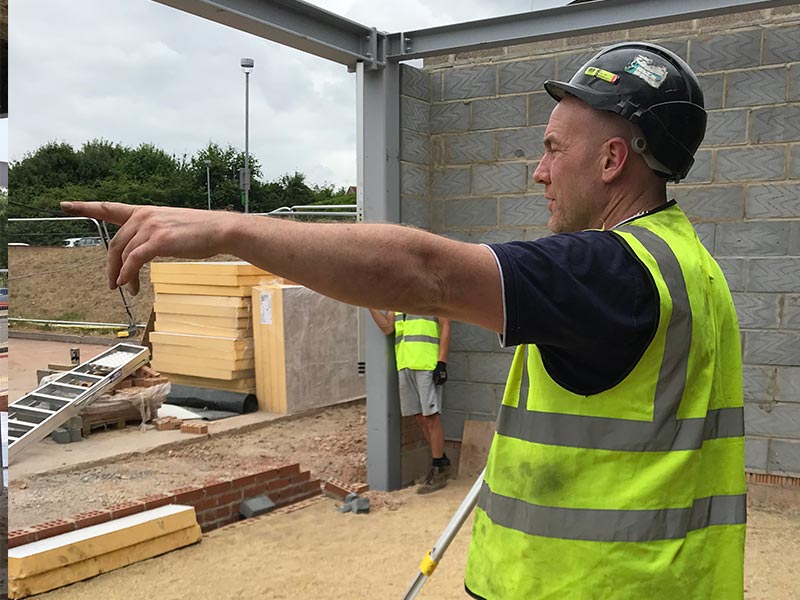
<point>203,332</point>
<point>77,555</point>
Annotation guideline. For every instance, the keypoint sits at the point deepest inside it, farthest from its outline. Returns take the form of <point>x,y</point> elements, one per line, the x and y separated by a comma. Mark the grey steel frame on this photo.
<point>375,57</point>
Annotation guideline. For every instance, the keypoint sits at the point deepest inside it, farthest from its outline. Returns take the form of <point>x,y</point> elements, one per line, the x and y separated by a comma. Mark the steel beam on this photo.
<point>378,180</point>
<point>295,24</point>
<point>554,23</point>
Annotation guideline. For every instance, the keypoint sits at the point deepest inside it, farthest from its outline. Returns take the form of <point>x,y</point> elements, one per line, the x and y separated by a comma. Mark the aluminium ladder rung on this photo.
<point>66,399</point>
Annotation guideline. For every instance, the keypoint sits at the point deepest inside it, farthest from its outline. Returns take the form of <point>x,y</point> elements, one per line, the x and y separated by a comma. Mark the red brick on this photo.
<point>125,509</point>
<point>258,489</point>
<point>92,517</point>
<point>304,476</point>
<point>216,486</point>
<point>334,489</point>
<point>289,470</point>
<point>156,500</point>
<point>267,475</point>
<point>277,484</point>
<point>19,537</point>
<point>223,512</point>
<point>188,495</point>
<point>229,497</point>
<point>312,487</point>
<point>244,481</point>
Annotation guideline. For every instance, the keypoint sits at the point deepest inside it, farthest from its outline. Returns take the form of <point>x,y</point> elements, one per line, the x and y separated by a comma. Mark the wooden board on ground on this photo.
<point>475,443</point>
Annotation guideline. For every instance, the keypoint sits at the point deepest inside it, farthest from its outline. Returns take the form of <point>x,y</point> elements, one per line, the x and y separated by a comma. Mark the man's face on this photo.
<point>570,168</point>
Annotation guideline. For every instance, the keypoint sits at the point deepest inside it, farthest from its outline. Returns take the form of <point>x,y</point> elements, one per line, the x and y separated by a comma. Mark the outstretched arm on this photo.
<point>377,265</point>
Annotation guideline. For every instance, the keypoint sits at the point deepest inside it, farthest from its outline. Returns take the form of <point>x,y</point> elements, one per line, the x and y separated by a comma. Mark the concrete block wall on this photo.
<point>484,125</point>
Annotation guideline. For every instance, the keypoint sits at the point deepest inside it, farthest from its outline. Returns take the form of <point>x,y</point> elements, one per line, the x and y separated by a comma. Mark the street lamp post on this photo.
<point>208,181</point>
<point>247,67</point>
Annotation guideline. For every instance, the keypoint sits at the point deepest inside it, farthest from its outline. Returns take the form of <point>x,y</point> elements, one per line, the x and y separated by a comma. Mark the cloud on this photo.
<point>135,71</point>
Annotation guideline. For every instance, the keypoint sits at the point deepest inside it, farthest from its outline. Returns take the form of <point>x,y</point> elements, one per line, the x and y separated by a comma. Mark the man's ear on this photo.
<point>615,157</point>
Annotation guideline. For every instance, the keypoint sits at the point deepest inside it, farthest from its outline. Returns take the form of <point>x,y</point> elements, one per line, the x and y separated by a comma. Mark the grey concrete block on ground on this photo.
<point>751,164</point>
<point>784,457</point>
<point>781,45</point>
<point>495,113</point>
<point>773,274</point>
<point>413,179</point>
<point>775,124</point>
<point>415,211</point>
<point>772,420</point>
<point>450,117</point>
<point>773,200</point>
<point>728,51</point>
<point>414,146</point>
<point>791,312</point>
<point>713,202</point>
<point>756,453</point>
<point>526,75</point>
<point>526,210</point>
<point>470,82</point>
<point>451,181</point>
<point>753,238</point>
<point>755,87</point>
<point>772,348</point>
<point>469,147</point>
<point>726,127</point>
<point>415,114</point>
<point>253,507</point>
<point>787,388</point>
<point>735,271</point>
<point>757,311</point>
<point>478,212</point>
<point>521,143</point>
<point>759,383</point>
<point>713,86</point>
<point>502,178</point>
<point>61,436</point>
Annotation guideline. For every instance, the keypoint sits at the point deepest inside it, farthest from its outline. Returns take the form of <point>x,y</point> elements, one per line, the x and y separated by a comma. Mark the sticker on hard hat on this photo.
<point>601,74</point>
<point>644,68</point>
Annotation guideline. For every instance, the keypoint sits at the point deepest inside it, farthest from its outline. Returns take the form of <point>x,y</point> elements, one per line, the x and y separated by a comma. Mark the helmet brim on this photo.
<point>558,90</point>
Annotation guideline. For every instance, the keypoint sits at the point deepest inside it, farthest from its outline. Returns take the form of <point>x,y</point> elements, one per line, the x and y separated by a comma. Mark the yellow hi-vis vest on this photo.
<point>416,342</point>
<point>637,492</point>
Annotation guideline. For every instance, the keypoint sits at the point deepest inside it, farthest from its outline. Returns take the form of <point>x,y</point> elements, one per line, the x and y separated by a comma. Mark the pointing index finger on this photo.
<point>112,212</point>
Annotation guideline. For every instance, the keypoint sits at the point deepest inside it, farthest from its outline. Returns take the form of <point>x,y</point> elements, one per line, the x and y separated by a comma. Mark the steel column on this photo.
<point>379,197</point>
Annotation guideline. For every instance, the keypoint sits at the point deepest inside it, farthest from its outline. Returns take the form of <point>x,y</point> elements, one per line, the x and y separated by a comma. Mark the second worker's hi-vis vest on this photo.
<point>637,492</point>
<point>416,342</point>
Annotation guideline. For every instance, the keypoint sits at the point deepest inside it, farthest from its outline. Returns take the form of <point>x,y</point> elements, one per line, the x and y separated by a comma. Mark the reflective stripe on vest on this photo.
<point>416,342</point>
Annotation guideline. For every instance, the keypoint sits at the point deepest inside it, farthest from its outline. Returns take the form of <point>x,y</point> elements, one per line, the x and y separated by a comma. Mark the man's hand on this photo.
<point>440,373</point>
<point>149,231</point>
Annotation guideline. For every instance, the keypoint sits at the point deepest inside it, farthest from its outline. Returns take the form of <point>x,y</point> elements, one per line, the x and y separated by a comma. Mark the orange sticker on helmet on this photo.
<point>601,74</point>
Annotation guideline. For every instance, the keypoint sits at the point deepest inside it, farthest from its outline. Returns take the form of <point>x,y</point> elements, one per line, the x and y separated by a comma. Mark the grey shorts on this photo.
<point>418,394</point>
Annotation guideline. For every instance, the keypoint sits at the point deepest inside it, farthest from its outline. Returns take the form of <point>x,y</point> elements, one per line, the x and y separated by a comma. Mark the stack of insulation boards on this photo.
<point>203,333</point>
<point>77,555</point>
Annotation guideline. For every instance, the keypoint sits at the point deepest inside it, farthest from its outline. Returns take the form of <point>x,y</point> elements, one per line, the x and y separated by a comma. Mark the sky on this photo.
<point>135,71</point>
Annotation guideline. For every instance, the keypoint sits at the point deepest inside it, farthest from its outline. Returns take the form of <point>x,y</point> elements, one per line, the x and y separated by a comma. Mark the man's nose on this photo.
<point>541,173</point>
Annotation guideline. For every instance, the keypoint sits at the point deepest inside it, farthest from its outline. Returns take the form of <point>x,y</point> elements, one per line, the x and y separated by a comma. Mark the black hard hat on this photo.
<point>652,88</point>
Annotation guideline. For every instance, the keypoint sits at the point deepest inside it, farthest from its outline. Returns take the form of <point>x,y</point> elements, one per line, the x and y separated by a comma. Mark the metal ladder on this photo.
<point>40,412</point>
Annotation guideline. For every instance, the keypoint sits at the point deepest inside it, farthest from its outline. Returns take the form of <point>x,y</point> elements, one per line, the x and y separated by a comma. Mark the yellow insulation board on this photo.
<point>200,321</point>
<point>200,368</point>
<point>202,290</point>
<point>247,384</point>
<point>201,330</point>
<point>164,307</point>
<point>199,300</point>
<point>218,280</point>
<point>268,336</point>
<point>201,363</point>
<point>206,269</point>
<point>79,545</point>
<point>201,342</point>
<point>56,578</point>
<point>188,352</point>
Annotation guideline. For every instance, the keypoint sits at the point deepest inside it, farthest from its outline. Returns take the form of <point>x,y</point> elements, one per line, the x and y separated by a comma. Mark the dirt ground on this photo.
<point>330,444</point>
<point>319,553</point>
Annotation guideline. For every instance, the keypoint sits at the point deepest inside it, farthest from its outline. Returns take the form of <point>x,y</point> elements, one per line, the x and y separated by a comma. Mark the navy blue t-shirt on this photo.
<point>585,300</point>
